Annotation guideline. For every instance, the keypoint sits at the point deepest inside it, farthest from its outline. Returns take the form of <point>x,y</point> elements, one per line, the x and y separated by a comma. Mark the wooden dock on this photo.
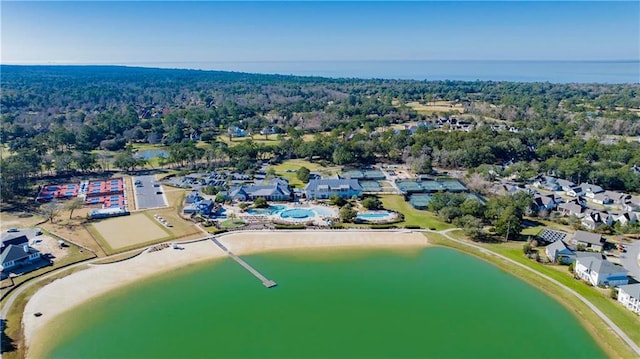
<point>265,281</point>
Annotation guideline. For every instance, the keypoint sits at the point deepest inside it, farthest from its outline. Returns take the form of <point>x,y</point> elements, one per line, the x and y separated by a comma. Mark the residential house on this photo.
<point>625,218</point>
<point>595,219</point>
<point>591,241</point>
<point>600,198</point>
<point>14,256</point>
<point>235,131</point>
<point>617,198</point>
<point>275,190</point>
<point>629,296</point>
<point>572,208</point>
<point>325,188</point>
<point>553,184</point>
<point>585,189</point>
<point>558,252</point>
<point>600,272</point>
<point>544,203</point>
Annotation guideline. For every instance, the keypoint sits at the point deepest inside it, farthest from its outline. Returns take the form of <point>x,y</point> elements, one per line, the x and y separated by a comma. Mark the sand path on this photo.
<point>77,288</point>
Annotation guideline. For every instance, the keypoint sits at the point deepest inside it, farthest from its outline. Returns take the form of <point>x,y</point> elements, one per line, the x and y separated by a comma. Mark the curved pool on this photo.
<point>297,213</point>
<point>266,211</point>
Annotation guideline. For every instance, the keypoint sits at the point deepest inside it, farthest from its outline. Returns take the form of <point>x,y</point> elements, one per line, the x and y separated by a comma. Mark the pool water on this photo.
<point>297,213</point>
<point>366,216</point>
<point>271,210</point>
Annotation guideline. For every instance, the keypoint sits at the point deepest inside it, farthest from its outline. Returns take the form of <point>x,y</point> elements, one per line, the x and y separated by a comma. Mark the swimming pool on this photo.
<point>297,213</point>
<point>271,210</point>
<point>375,216</point>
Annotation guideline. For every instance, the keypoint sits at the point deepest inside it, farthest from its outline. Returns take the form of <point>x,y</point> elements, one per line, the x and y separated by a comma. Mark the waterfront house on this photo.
<point>591,241</point>
<point>325,188</point>
<point>275,190</point>
<point>558,252</point>
<point>629,296</point>
<point>13,256</point>
<point>600,272</point>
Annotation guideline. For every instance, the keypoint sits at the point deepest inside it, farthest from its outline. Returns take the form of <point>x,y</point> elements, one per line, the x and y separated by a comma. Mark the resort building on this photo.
<point>275,190</point>
<point>600,272</point>
<point>325,188</point>
<point>629,296</point>
<point>558,252</point>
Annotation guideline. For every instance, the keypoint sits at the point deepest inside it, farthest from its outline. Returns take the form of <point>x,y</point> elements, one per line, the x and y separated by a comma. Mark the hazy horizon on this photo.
<point>134,33</point>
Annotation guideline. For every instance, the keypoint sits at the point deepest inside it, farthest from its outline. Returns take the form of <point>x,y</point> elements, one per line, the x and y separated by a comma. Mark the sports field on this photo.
<point>129,231</point>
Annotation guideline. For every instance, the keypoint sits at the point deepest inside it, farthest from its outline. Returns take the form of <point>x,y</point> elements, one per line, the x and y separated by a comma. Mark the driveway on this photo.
<point>629,259</point>
<point>146,194</point>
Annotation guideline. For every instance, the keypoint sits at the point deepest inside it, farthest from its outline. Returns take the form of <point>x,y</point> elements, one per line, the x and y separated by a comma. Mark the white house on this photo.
<point>572,208</point>
<point>600,198</point>
<point>629,296</point>
<point>558,252</point>
<point>600,272</point>
<point>625,218</point>
<point>595,219</point>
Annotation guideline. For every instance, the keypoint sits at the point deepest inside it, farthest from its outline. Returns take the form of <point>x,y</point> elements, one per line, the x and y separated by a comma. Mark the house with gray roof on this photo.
<point>14,255</point>
<point>559,253</point>
<point>325,188</point>
<point>544,203</point>
<point>275,190</point>
<point>600,272</point>
<point>595,219</point>
<point>592,241</point>
<point>585,189</point>
<point>572,208</point>
<point>629,296</point>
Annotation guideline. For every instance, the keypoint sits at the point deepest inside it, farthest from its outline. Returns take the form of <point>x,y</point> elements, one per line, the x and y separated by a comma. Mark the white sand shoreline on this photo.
<point>79,287</point>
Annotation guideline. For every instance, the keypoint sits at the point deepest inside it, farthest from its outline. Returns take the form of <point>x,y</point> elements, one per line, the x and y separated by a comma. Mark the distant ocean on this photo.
<point>522,71</point>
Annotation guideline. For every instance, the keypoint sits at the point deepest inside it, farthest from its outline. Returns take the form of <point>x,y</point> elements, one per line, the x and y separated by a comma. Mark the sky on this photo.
<point>91,32</point>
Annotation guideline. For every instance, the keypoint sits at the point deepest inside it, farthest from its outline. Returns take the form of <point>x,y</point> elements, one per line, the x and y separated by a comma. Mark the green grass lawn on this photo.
<point>622,317</point>
<point>232,223</point>
<point>412,216</point>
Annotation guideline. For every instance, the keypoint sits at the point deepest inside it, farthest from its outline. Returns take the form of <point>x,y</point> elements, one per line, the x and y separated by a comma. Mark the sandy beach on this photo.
<point>77,288</point>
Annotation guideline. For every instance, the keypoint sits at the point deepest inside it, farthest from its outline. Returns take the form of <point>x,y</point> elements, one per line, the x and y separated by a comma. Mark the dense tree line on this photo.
<point>64,118</point>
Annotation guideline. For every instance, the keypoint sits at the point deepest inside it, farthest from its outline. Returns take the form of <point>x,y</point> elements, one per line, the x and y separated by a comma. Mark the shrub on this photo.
<point>290,226</point>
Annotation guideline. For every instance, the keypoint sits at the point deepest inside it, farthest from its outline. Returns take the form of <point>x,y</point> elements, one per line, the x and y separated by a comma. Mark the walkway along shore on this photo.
<point>11,298</point>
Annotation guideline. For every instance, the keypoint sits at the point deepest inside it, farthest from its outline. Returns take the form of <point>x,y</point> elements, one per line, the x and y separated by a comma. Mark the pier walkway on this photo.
<point>266,282</point>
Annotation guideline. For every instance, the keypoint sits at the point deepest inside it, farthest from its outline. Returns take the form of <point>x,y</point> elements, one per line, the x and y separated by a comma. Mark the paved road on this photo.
<point>629,259</point>
<point>147,195</point>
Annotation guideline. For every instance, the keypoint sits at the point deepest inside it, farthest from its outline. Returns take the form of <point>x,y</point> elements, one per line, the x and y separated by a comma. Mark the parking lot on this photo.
<point>149,193</point>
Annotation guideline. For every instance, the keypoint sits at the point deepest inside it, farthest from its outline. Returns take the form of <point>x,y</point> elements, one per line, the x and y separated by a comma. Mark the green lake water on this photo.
<point>430,303</point>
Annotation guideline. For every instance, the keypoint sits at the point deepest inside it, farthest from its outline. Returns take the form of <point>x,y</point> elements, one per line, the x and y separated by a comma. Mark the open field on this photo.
<point>608,340</point>
<point>18,220</point>
<point>129,231</point>
<point>412,216</point>
<point>437,106</point>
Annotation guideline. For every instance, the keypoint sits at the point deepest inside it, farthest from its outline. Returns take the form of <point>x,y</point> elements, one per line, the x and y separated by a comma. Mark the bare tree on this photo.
<point>73,204</point>
<point>50,210</point>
